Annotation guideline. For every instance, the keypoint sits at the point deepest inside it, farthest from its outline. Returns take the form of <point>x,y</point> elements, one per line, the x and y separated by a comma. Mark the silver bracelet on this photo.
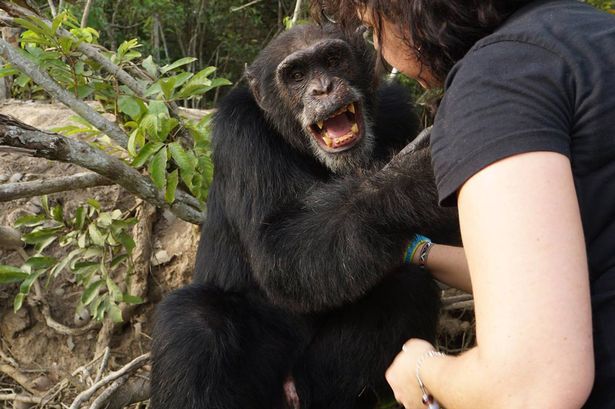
<point>427,399</point>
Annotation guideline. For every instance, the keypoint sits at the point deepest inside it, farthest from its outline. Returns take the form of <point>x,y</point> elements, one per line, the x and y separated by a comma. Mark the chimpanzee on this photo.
<point>300,297</point>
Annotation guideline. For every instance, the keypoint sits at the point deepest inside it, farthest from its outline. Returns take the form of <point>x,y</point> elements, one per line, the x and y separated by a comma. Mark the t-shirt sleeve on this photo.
<point>505,98</point>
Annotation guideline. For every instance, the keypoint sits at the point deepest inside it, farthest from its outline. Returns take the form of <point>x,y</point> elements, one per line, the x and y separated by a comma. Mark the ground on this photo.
<point>40,357</point>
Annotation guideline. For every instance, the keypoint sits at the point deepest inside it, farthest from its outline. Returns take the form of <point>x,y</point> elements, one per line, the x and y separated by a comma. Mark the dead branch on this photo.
<point>12,191</point>
<point>135,390</point>
<point>107,393</point>
<point>86,13</point>
<point>103,364</point>
<point>20,398</point>
<point>48,84</point>
<point>63,329</point>
<point>56,147</point>
<point>18,377</point>
<point>127,369</point>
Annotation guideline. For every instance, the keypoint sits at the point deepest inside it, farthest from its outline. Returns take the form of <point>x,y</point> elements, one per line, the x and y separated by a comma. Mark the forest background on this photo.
<point>104,171</point>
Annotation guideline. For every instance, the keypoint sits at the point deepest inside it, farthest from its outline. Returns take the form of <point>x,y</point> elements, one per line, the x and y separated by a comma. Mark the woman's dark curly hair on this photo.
<point>439,31</point>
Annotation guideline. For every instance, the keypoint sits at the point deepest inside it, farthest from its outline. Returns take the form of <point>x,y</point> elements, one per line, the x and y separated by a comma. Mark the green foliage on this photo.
<point>164,145</point>
<point>99,255</point>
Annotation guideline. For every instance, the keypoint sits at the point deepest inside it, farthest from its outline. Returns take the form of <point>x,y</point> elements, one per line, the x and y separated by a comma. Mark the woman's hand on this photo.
<point>401,375</point>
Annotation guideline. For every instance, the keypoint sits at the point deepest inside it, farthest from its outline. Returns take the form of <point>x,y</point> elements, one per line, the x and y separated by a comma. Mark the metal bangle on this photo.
<point>427,398</point>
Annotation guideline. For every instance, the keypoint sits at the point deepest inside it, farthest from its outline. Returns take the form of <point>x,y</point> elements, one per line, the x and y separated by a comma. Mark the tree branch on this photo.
<point>48,84</point>
<point>56,147</point>
<point>12,191</point>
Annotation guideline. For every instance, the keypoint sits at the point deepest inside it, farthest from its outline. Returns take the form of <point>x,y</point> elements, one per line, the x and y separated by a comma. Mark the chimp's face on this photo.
<point>318,94</point>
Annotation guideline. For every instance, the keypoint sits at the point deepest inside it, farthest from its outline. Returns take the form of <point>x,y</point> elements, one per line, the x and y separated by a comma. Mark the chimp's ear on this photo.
<point>254,85</point>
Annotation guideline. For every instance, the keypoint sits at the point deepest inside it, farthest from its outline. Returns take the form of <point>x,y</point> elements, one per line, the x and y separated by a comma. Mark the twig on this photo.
<point>12,191</point>
<point>107,393</point>
<point>48,84</point>
<point>56,147</point>
<point>63,329</point>
<point>88,393</point>
<point>86,13</point>
<point>17,376</point>
<point>253,2</point>
<point>296,14</point>
<point>103,364</point>
<point>20,398</point>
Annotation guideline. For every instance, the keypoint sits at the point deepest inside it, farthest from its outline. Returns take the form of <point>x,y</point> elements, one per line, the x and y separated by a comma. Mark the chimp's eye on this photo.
<point>297,76</point>
<point>333,61</point>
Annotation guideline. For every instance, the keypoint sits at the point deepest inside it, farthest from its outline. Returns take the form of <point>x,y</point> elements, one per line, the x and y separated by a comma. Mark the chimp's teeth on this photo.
<point>351,108</point>
<point>355,129</point>
<point>320,124</point>
<point>327,140</point>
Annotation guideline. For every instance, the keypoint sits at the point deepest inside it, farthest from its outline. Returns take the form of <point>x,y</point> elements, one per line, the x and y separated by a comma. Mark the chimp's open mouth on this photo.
<point>341,130</point>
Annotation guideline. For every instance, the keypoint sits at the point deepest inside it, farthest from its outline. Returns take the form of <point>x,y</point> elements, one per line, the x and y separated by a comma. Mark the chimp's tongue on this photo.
<point>338,126</point>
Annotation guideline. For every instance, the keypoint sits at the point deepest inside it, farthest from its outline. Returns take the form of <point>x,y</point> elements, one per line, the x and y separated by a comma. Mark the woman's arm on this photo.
<point>525,249</point>
<point>448,265</point>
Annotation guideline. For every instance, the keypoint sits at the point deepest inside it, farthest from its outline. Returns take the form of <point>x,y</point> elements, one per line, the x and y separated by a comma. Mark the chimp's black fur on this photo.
<point>299,274</point>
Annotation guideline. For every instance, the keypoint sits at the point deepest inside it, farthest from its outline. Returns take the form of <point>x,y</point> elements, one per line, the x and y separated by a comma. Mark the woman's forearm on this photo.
<point>448,264</point>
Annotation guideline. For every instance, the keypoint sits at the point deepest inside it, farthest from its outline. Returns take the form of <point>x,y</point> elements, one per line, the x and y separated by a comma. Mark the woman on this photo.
<point>524,145</point>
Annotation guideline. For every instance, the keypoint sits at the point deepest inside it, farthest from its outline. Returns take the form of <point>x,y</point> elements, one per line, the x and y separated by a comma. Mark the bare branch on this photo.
<point>253,2</point>
<point>20,398</point>
<point>296,14</point>
<point>86,13</point>
<point>17,376</point>
<point>107,393</point>
<point>48,84</point>
<point>12,191</point>
<point>88,393</point>
<point>56,147</point>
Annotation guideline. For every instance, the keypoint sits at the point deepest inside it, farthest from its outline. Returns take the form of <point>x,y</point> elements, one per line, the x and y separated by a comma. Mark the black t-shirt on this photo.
<point>544,81</point>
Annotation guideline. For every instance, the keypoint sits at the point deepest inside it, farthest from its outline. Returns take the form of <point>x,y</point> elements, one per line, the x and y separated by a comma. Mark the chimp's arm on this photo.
<point>337,241</point>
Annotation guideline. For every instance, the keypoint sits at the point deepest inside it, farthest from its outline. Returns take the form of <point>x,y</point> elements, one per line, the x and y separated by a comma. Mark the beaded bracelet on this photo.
<point>413,246</point>
<point>427,398</point>
<point>424,253</point>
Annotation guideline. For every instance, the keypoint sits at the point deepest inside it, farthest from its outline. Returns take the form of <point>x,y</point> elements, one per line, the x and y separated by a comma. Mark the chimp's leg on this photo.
<point>221,350</point>
<point>344,366</point>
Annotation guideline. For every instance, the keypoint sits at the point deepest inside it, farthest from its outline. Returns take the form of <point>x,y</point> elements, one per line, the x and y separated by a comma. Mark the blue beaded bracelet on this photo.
<point>412,248</point>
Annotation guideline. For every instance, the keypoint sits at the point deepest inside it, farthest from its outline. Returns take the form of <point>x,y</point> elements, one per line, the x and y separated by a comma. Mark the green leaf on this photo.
<point>172,181</point>
<point>184,160</point>
<point>39,262</point>
<point>157,108</point>
<point>30,220</point>
<point>22,80</point>
<point>149,124</point>
<point>40,236</point>
<point>97,237</point>
<point>91,292</point>
<point>6,71</point>
<point>94,203</point>
<point>114,290</point>
<point>177,64</point>
<point>39,247</point>
<point>158,169</point>
<point>115,313</point>
<point>167,85</point>
<point>132,299</point>
<point>145,153</point>
<point>79,220</point>
<point>150,66</point>
<point>18,302</point>
<point>117,260</point>
<point>131,106</point>
<point>57,269</point>
<point>10,274</point>
<point>58,214</point>
<point>126,241</point>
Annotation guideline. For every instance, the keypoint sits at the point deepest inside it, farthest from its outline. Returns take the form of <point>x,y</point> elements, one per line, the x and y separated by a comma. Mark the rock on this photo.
<point>160,257</point>
<point>15,177</point>
<point>4,178</point>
